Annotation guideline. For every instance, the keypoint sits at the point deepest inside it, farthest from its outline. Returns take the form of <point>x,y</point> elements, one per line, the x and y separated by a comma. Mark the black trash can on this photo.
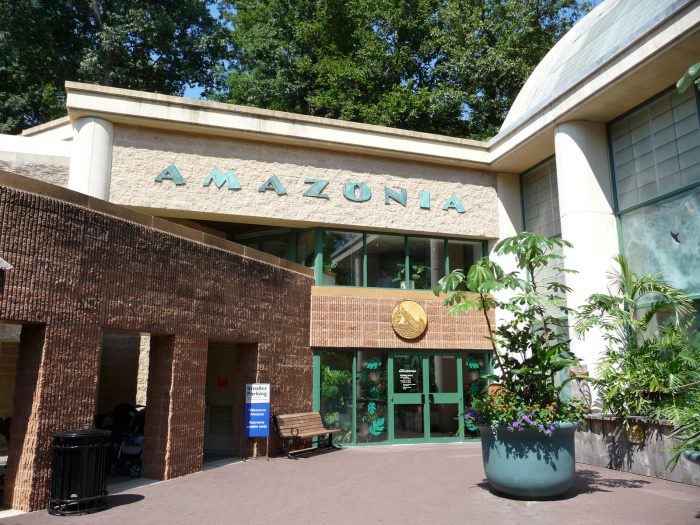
<point>78,484</point>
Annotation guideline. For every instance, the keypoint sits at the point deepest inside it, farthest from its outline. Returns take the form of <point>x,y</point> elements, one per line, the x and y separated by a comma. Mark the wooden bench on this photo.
<point>294,428</point>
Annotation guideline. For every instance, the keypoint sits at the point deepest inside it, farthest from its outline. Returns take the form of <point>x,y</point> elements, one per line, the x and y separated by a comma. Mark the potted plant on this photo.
<point>527,427</point>
<point>650,369</point>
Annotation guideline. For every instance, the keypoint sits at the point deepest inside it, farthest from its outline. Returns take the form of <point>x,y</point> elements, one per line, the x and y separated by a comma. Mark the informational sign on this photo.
<point>407,379</point>
<point>257,410</point>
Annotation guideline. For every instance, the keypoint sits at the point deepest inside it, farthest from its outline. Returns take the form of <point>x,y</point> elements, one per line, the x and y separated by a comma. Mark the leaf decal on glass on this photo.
<point>371,408</point>
<point>374,363</point>
<point>377,426</point>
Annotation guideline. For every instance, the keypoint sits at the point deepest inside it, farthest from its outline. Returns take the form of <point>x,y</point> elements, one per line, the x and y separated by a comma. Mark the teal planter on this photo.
<point>528,464</point>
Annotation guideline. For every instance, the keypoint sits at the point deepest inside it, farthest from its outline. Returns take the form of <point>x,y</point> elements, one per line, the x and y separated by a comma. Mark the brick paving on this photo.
<point>405,485</point>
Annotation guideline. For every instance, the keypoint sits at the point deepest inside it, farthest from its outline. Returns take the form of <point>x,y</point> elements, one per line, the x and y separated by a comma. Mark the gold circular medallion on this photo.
<point>409,319</point>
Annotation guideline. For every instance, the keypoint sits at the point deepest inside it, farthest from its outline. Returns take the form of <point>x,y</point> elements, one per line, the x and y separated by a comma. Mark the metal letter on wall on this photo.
<point>274,184</point>
<point>350,192</point>
<point>399,196</point>
<point>171,173</point>
<point>219,179</point>
<point>454,203</point>
<point>316,189</point>
<point>424,199</point>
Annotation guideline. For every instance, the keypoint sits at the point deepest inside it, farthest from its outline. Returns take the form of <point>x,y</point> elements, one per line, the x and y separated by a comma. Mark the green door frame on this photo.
<point>450,398</point>
<point>425,397</point>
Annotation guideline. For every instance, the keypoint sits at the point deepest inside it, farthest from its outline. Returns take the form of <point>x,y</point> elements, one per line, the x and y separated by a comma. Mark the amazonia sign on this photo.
<point>318,188</point>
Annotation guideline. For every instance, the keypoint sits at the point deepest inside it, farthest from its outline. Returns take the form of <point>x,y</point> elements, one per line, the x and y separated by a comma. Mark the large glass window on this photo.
<point>656,149</point>
<point>426,263</point>
<point>541,199</point>
<point>306,248</point>
<point>463,254</point>
<point>336,393</point>
<point>385,260</point>
<point>343,258</point>
<point>663,238</point>
<point>371,396</point>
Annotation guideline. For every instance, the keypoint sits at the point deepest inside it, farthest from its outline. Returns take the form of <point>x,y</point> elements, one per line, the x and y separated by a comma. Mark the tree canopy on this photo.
<point>159,46</point>
<point>444,66</point>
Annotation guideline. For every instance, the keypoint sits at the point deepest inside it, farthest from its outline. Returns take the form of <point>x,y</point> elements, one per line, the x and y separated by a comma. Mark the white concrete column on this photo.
<point>91,164</point>
<point>142,378</point>
<point>510,222</point>
<point>587,219</point>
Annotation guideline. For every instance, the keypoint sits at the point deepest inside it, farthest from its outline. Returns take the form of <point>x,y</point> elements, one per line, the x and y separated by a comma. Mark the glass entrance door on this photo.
<point>425,398</point>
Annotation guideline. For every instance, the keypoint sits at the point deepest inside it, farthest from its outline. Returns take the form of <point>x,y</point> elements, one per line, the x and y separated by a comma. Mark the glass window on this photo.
<point>306,248</point>
<point>662,238</point>
<point>541,199</point>
<point>278,245</point>
<point>426,263</point>
<point>336,393</point>
<point>343,258</point>
<point>463,254</point>
<point>385,260</point>
<point>371,396</point>
<point>656,149</point>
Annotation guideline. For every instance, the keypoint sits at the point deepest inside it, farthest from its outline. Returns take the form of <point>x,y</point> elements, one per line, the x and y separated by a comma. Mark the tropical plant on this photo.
<point>417,275</point>
<point>532,346</point>
<point>651,366</point>
<point>687,436</point>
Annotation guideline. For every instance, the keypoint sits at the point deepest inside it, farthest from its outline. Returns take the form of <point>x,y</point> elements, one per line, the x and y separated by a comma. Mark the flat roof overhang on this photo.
<point>646,67</point>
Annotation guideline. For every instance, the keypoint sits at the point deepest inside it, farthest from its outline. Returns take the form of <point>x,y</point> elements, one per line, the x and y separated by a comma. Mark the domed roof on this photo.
<point>603,33</point>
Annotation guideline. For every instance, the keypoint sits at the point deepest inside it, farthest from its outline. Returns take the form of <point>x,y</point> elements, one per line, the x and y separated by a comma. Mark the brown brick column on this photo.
<point>56,386</point>
<point>245,371</point>
<point>174,433</point>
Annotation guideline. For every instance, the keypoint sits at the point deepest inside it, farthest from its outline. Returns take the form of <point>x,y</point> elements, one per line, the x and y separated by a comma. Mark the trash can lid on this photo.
<point>98,432</point>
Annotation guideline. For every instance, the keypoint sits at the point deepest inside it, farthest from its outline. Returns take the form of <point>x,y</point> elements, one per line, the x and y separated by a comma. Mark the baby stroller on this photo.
<point>127,439</point>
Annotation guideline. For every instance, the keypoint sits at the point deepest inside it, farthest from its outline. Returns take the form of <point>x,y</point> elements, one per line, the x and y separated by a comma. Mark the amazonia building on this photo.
<point>167,251</point>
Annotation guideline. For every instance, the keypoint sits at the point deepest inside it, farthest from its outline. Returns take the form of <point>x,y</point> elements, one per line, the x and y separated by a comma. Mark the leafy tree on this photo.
<point>452,67</point>
<point>159,46</point>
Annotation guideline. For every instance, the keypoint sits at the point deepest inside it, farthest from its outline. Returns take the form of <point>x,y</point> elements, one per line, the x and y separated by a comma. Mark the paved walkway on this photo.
<point>419,484</point>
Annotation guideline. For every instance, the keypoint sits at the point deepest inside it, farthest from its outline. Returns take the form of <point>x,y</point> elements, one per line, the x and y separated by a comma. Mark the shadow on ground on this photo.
<point>117,500</point>
<point>585,482</point>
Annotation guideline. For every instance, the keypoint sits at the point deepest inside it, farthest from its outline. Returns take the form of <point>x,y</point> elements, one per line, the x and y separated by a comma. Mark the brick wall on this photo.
<point>345,318</point>
<point>80,272</point>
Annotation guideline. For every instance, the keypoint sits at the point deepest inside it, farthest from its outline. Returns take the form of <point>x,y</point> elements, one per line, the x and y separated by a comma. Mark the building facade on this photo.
<point>167,250</point>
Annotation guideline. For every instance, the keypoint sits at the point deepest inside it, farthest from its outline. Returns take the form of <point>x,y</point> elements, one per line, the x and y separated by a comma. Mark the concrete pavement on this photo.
<point>418,484</point>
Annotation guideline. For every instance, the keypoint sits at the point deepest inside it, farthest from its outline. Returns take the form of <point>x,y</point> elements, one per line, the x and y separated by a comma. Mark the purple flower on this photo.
<point>540,426</point>
<point>527,419</point>
<point>548,432</point>
<point>516,424</point>
<point>522,429</point>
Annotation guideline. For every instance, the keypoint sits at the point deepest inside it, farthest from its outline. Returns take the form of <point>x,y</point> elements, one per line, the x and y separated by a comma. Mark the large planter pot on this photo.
<point>529,464</point>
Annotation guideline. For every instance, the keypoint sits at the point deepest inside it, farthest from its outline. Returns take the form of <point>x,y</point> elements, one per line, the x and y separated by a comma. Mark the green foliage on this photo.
<point>644,371</point>
<point>450,67</point>
<point>511,411</point>
<point>687,436</point>
<point>153,46</point>
<point>417,273</point>
<point>532,346</point>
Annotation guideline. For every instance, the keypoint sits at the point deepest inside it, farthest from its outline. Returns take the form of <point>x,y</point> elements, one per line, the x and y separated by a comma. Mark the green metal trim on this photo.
<point>316,395</point>
<point>292,250</point>
<point>460,387</point>
<point>659,198</point>
<point>446,249</point>
<point>407,263</point>
<point>354,396</point>
<point>364,260</point>
<point>390,396</point>
<point>318,260</point>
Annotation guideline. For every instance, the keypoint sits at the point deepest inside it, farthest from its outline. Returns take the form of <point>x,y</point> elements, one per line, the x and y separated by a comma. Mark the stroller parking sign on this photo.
<point>257,410</point>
